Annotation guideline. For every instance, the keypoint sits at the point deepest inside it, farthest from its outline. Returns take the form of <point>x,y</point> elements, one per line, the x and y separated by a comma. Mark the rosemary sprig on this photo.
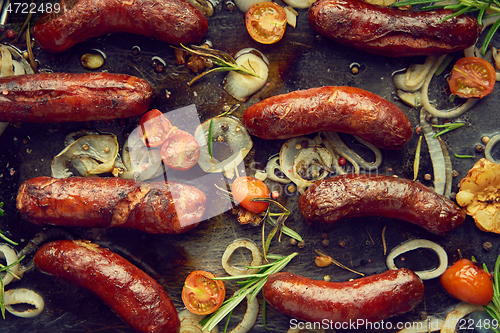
<point>494,311</point>
<point>2,287</point>
<point>447,128</point>
<point>222,59</point>
<point>252,285</point>
<point>462,7</point>
<point>464,156</point>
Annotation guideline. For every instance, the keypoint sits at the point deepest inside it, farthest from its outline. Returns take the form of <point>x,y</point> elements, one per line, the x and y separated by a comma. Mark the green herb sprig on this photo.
<point>2,212</point>
<point>463,7</point>
<point>447,128</point>
<point>252,285</point>
<point>6,269</point>
<point>222,59</point>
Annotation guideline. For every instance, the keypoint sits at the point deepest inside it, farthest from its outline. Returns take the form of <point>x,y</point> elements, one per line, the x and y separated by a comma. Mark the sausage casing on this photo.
<point>137,298</point>
<point>355,195</point>
<point>334,109</point>
<point>172,21</point>
<point>364,300</point>
<point>156,208</point>
<point>65,97</point>
<point>390,31</point>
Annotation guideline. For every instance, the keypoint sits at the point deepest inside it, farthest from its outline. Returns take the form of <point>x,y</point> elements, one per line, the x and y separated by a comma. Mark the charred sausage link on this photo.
<point>64,97</point>
<point>156,208</point>
<point>356,195</point>
<point>360,301</point>
<point>138,299</point>
<point>335,109</point>
<point>172,21</point>
<point>390,31</point>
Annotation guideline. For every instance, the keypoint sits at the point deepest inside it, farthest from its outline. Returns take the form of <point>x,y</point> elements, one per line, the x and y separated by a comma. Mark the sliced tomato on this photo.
<point>244,189</point>
<point>180,151</point>
<point>266,22</point>
<point>201,294</point>
<point>153,128</point>
<point>472,77</point>
<point>468,282</point>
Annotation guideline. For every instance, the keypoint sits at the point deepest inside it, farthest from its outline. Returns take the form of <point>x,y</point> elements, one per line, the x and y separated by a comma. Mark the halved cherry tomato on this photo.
<point>244,189</point>
<point>266,22</point>
<point>180,151</point>
<point>201,294</point>
<point>472,77</point>
<point>153,128</point>
<point>468,282</point>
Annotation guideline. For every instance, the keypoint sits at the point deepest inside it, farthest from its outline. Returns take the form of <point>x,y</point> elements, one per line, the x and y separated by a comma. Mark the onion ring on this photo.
<point>190,323</point>
<point>489,147</point>
<point>460,311</point>
<point>248,244</point>
<point>273,165</point>
<point>250,316</point>
<point>416,244</point>
<point>10,256</point>
<point>23,296</point>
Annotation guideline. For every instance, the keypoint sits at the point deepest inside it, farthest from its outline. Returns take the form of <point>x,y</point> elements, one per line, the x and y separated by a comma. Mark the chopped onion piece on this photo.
<point>410,98</point>
<point>299,3</point>
<point>271,167</point>
<point>460,311</point>
<point>312,161</point>
<point>101,148</point>
<point>489,147</point>
<point>231,143</point>
<point>190,323</point>
<point>10,256</point>
<point>205,6</point>
<point>260,175</point>
<point>291,16</point>
<point>250,316</point>
<point>288,152</point>
<point>241,243</point>
<point>23,296</point>
<point>241,86</point>
<point>142,162</point>
<point>416,244</point>
<point>244,5</point>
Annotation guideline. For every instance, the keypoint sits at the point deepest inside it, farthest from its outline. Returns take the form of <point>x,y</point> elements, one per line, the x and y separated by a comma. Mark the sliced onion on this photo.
<point>430,108</point>
<point>417,244</point>
<point>460,311</point>
<point>241,86</point>
<point>254,51</point>
<point>291,16</point>
<point>23,296</point>
<point>190,323</point>
<point>489,147</point>
<point>235,140</point>
<point>241,243</point>
<point>287,156</point>
<point>10,256</point>
<point>244,5</point>
<point>273,165</point>
<point>410,98</point>
<point>250,316</point>
<point>315,161</point>
<point>299,3</point>
<point>205,6</point>
<point>101,148</point>
<point>142,162</point>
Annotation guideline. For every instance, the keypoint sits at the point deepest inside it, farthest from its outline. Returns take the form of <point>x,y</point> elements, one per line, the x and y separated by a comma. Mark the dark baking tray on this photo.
<point>301,60</point>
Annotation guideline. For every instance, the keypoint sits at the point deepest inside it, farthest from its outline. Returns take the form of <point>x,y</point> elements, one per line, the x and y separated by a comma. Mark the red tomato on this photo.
<point>202,295</point>
<point>468,282</point>
<point>472,77</point>
<point>266,22</point>
<point>153,128</point>
<point>180,151</point>
<point>246,188</point>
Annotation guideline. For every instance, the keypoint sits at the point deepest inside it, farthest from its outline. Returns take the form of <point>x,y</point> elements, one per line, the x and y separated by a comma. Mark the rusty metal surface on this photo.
<point>300,60</point>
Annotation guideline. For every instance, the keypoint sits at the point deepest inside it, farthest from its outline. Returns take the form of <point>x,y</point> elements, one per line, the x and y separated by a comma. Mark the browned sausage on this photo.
<point>156,208</point>
<point>361,301</point>
<point>172,21</point>
<point>138,299</point>
<point>392,32</point>
<point>356,195</point>
<point>63,97</point>
<point>334,109</point>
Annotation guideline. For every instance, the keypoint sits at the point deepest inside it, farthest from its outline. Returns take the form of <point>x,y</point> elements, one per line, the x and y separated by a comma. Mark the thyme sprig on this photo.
<point>481,7</point>
<point>222,59</point>
<point>251,285</point>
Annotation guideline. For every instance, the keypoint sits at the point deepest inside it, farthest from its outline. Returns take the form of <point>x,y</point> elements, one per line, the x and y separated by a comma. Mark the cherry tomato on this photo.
<point>180,151</point>
<point>266,22</point>
<point>468,282</point>
<point>153,128</point>
<point>246,188</point>
<point>201,294</point>
<point>472,77</point>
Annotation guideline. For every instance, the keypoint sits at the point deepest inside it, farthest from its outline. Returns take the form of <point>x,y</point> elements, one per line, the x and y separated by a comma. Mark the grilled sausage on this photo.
<point>156,208</point>
<point>355,195</point>
<point>138,299</point>
<point>173,21</point>
<point>335,109</point>
<point>392,32</point>
<point>64,97</point>
<point>361,301</point>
